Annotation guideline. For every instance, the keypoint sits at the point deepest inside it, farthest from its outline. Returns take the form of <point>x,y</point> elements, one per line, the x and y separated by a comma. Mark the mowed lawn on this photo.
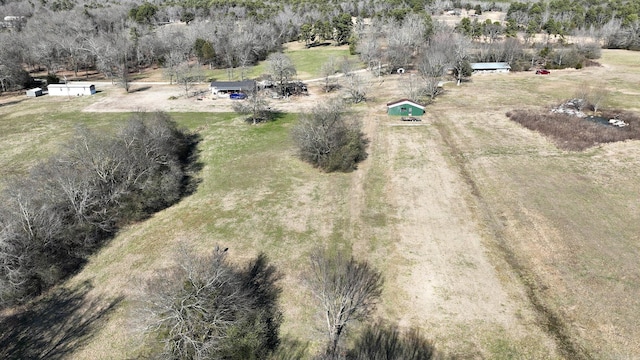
<point>308,63</point>
<point>567,224</point>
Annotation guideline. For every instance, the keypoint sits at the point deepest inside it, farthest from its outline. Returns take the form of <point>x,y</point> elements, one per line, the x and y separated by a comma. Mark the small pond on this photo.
<point>605,121</point>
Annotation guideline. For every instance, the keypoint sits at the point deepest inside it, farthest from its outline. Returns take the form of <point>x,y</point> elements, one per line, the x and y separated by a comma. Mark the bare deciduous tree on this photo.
<point>459,55</point>
<point>53,219</point>
<point>432,66</point>
<point>357,87</point>
<point>11,72</point>
<point>355,83</point>
<point>328,72</point>
<point>287,24</point>
<point>368,47</point>
<point>282,69</point>
<point>347,290</point>
<point>597,95</point>
<point>413,88</point>
<point>206,308</point>
<point>404,38</point>
<point>256,106</point>
<point>187,75</point>
<point>593,94</point>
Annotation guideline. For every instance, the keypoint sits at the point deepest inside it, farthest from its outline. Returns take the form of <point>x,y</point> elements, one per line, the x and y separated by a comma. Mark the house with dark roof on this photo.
<point>226,87</point>
<point>491,67</point>
<point>405,107</point>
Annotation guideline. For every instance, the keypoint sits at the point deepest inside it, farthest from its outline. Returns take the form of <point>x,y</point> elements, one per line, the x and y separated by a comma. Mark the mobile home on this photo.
<point>72,89</point>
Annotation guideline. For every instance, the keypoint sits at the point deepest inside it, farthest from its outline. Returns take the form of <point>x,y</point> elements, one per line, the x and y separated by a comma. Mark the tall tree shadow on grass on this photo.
<point>55,326</point>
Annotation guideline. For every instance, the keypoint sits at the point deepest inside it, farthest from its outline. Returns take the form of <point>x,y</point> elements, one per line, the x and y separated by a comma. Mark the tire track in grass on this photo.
<point>550,321</point>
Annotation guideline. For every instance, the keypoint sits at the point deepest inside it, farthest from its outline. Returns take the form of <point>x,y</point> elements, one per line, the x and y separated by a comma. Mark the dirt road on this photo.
<point>172,98</point>
<point>443,279</point>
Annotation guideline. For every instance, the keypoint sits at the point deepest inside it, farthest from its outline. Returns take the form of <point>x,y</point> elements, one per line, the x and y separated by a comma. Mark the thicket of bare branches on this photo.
<point>355,85</point>
<point>255,106</point>
<point>207,308</point>
<point>593,94</point>
<point>328,71</point>
<point>51,220</point>
<point>347,290</point>
<point>328,139</point>
<point>577,134</point>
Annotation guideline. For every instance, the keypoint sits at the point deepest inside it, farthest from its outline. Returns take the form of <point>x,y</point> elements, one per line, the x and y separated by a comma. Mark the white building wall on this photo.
<point>71,89</point>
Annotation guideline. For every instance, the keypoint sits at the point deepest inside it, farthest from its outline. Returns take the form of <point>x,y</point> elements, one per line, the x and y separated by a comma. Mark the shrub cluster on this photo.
<point>575,133</point>
<point>328,140</point>
<point>68,205</point>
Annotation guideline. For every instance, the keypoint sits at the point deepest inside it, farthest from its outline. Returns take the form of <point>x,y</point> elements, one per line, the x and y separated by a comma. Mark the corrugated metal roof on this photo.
<point>233,85</point>
<point>491,66</point>
<point>403,102</point>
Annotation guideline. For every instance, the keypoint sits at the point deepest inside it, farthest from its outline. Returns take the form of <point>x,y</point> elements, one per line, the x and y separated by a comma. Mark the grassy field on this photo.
<point>560,229</point>
<point>566,221</point>
<point>308,62</point>
<point>244,202</point>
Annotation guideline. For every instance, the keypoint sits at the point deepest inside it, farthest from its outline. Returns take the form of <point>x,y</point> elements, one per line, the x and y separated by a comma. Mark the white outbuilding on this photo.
<point>71,89</point>
<point>491,67</point>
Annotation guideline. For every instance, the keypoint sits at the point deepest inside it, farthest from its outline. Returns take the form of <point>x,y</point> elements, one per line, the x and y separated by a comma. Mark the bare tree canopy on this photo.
<point>356,84</point>
<point>404,38</point>
<point>598,95</point>
<point>187,75</point>
<point>281,69</point>
<point>347,290</point>
<point>206,308</point>
<point>328,71</point>
<point>432,67</point>
<point>11,73</point>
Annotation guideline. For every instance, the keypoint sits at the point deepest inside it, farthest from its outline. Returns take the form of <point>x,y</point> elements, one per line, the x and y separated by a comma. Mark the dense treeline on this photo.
<point>116,38</point>
<point>617,23</point>
<point>68,205</point>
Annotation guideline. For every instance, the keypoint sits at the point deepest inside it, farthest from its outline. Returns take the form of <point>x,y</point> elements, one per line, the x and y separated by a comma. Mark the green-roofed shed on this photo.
<point>405,107</point>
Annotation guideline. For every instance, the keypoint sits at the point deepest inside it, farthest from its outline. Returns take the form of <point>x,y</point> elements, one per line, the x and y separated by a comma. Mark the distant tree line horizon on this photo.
<point>117,38</point>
